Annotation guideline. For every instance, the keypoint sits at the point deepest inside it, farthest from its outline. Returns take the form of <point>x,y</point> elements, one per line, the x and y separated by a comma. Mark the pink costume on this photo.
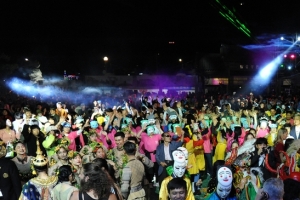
<point>111,136</point>
<point>207,146</point>
<point>230,139</point>
<point>72,135</point>
<point>102,138</point>
<point>150,143</point>
<point>262,133</point>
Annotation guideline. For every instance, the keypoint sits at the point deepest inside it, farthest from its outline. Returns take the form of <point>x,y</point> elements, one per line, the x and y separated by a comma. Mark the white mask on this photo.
<point>224,176</point>
<point>179,169</point>
<point>223,191</point>
<point>8,123</point>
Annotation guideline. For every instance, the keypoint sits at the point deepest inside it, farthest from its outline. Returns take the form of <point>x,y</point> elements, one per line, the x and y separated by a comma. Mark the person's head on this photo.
<point>4,112</point>
<point>119,138</point>
<point>20,148</point>
<point>51,120</point>
<point>129,148</point>
<point>150,130</point>
<point>93,178</point>
<point>234,145</point>
<point>66,127</point>
<point>289,115</point>
<point>35,130</point>
<point>273,189</point>
<point>133,140</point>
<point>58,105</point>
<point>297,120</point>
<point>94,124</point>
<point>288,143</point>
<point>102,163</point>
<point>282,134</point>
<point>252,131</point>
<point>291,189</point>
<point>263,123</point>
<point>100,152</point>
<point>27,113</point>
<point>62,153</point>
<point>287,126</point>
<point>249,136</point>
<point>52,111</point>
<point>179,165</point>
<point>224,176</point>
<point>75,158</point>
<point>177,189</point>
<point>167,137</point>
<point>8,123</point>
<point>65,174</point>
<point>261,143</point>
<point>273,111</point>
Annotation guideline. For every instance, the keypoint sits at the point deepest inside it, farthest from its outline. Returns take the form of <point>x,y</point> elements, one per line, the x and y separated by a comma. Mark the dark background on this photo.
<point>134,35</point>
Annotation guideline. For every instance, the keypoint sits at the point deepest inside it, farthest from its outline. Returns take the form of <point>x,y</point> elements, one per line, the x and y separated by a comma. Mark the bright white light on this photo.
<point>26,59</point>
<point>140,74</point>
<point>128,74</point>
<point>180,60</point>
<point>282,38</point>
<point>289,67</point>
<point>105,58</point>
<point>298,38</point>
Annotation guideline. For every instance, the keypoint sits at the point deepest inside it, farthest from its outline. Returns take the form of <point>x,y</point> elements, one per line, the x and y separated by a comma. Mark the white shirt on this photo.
<point>167,152</point>
<point>297,130</point>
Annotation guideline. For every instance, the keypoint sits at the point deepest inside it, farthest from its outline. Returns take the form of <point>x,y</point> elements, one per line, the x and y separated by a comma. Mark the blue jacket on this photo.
<point>160,153</point>
<point>293,133</point>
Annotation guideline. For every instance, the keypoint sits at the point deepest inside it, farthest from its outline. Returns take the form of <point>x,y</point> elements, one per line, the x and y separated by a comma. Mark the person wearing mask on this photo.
<point>164,154</point>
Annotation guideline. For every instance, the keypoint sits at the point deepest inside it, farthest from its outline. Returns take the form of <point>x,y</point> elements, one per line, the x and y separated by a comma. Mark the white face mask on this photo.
<point>8,123</point>
<point>179,169</point>
<point>224,176</point>
<point>263,124</point>
<point>223,191</point>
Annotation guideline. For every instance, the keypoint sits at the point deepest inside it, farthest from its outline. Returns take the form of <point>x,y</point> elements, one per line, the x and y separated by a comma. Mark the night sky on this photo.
<point>134,35</point>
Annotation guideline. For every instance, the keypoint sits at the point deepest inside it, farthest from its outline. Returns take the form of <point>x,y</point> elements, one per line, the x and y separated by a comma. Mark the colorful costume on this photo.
<point>179,169</point>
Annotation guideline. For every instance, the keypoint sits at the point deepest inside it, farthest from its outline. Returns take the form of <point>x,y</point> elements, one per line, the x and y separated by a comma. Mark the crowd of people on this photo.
<point>246,146</point>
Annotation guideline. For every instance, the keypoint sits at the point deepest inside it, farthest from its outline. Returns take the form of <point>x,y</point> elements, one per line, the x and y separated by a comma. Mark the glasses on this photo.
<point>167,135</point>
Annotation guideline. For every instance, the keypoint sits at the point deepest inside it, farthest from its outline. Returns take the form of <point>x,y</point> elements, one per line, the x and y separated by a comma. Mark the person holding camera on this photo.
<point>259,155</point>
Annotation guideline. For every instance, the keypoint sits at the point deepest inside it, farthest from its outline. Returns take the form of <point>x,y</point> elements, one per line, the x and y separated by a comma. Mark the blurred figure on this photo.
<point>272,189</point>
<point>10,184</point>
<point>64,188</point>
<point>95,184</point>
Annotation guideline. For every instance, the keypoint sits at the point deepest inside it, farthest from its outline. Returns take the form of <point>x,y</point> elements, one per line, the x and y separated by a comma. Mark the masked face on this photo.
<point>223,191</point>
<point>224,176</point>
<point>8,123</point>
<point>179,169</point>
<point>263,124</point>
